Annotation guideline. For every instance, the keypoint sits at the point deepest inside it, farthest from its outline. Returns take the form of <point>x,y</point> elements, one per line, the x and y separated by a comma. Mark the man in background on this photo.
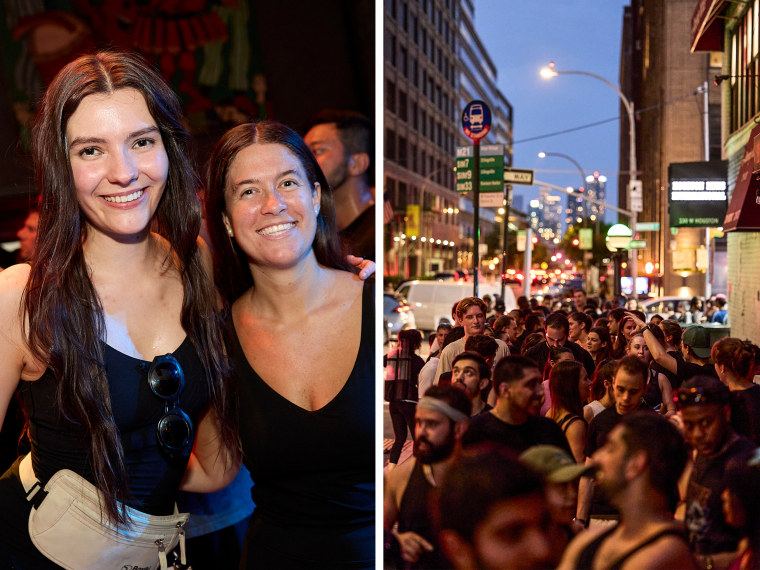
<point>343,144</point>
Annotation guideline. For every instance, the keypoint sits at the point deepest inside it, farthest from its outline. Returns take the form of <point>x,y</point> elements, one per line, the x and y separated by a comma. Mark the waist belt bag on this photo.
<point>66,526</point>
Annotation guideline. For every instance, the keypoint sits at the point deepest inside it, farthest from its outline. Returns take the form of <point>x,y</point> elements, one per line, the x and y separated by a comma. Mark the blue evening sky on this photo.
<point>522,36</point>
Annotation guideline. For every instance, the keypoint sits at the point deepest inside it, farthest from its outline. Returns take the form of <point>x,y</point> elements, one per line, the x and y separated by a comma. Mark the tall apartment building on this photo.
<point>433,61</point>
<point>665,82</point>
<point>420,119</point>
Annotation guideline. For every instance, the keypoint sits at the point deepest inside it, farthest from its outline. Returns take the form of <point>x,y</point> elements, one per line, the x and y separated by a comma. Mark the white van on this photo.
<point>432,300</point>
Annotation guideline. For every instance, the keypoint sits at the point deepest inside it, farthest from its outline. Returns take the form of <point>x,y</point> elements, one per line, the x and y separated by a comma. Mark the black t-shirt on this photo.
<point>535,431</point>
<point>672,377</point>
<point>745,412</point>
<point>709,533</point>
<point>686,370</point>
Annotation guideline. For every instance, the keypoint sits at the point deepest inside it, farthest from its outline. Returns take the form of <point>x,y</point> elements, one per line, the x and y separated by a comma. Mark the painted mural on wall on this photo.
<point>205,49</point>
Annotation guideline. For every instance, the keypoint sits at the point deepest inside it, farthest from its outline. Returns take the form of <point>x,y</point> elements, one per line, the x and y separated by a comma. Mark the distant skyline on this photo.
<point>578,35</point>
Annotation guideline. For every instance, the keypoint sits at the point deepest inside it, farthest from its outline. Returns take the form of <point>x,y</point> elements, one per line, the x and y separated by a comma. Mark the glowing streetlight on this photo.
<point>550,71</point>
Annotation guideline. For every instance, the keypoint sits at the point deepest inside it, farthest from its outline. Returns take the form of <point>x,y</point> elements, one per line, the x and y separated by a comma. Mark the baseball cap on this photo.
<point>697,338</point>
<point>553,463</point>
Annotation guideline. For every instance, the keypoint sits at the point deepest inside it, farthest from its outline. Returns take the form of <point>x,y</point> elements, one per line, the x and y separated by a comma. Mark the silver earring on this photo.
<point>229,232</point>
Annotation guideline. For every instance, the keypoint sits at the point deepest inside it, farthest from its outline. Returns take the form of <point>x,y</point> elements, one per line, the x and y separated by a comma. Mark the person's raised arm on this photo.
<point>659,354</point>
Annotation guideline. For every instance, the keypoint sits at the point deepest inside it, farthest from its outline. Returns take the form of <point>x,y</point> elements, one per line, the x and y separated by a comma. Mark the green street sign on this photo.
<point>585,238</point>
<point>648,226</point>
<point>491,168</point>
<point>637,244</point>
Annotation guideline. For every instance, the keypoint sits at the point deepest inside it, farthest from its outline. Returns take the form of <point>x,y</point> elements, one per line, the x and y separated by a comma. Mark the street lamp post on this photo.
<point>566,157</point>
<point>549,72</point>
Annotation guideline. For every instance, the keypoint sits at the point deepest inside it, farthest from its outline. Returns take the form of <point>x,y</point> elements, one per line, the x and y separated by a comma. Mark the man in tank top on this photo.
<point>441,419</point>
<point>638,468</point>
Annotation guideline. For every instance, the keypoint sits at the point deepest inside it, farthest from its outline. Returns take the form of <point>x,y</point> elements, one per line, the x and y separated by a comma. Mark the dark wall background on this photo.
<point>314,54</point>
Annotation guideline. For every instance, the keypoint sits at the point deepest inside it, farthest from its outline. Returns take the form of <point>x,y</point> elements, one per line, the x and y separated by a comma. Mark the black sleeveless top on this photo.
<point>414,515</point>
<point>313,471</point>
<point>586,557</point>
<point>154,475</point>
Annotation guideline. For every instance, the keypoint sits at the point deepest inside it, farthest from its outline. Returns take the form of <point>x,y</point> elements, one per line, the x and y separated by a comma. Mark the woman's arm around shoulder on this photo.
<point>212,465</point>
<point>16,362</point>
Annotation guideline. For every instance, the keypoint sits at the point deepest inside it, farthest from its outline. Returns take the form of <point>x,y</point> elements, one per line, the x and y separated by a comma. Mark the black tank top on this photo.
<point>586,557</point>
<point>154,476</point>
<point>313,471</point>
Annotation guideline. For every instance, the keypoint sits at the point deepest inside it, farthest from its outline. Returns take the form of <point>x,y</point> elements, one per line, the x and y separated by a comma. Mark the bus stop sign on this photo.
<point>476,120</point>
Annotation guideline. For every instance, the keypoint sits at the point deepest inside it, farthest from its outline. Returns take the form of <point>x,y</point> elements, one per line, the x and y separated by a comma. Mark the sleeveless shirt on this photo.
<point>57,443</point>
<point>586,556</point>
<point>313,471</point>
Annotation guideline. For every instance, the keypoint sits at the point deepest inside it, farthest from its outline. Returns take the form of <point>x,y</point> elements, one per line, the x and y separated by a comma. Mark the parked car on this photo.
<point>397,316</point>
<point>665,306</point>
<point>432,300</point>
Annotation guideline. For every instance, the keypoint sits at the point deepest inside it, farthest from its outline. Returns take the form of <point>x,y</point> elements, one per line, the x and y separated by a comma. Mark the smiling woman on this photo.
<point>302,350</point>
<point>120,378</point>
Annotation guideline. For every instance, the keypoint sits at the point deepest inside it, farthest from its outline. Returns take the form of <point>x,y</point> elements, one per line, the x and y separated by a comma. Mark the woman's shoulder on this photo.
<point>12,283</point>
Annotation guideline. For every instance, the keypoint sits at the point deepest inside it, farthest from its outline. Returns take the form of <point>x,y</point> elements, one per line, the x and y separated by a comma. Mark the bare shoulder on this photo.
<point>14,352</point>
<point>397,479</point>
<point>12,283</point>
<point>576,546</point>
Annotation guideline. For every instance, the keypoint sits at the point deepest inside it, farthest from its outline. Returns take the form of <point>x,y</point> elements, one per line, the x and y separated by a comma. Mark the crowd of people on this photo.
<point>575,438</point>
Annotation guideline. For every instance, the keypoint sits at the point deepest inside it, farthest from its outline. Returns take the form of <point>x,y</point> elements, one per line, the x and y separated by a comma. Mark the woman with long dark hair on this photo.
<point>118,288</point>
<point>599,345</point>
<point>569,388</point>
<point>302,351</point>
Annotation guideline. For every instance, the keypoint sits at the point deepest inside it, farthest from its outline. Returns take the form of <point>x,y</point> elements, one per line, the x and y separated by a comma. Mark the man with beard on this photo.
<point>472,374</point>
<point>471,311</point>
<point>440,422</point>
<point>628,388</point>
<point>343,144</point>
<point>705,405</point>
<point>493,514</point>
<point>638,468</point>
<point>514,421</point>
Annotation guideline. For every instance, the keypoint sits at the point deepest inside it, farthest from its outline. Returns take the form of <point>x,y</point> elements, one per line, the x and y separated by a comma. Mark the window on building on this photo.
<point>415,118</point>
<point>390,144</point>
<point>390,95</point>
<point>392,52</point>
<point>403,107</point>
<point>402,152</point>
<point>403,60</point>
<point>413,154</point>
<point>403,198</point>
<point>745,97</point>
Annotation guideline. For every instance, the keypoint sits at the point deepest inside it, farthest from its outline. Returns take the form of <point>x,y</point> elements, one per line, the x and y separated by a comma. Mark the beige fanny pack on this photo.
<point>66,525</point>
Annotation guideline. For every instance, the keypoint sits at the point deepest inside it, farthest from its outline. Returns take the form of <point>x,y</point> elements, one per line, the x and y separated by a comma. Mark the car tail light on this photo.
<point>402,309</point>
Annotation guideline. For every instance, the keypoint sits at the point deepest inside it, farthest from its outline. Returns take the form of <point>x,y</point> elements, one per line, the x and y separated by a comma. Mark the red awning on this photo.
<point>743,211</point>
<point>706,26</point>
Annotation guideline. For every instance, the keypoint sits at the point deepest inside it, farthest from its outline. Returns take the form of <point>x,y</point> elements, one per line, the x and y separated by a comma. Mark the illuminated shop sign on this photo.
<point>697,197</point>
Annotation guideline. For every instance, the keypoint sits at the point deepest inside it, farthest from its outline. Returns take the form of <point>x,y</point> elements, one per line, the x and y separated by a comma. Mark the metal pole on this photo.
<point>476,207</point>
<point>528,261</point>
<point>633,177</point>
<point>505,228</point>
<point>706,111</point>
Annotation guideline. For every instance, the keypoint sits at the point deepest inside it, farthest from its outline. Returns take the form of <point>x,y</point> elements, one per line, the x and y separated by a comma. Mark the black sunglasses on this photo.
<point>167,380</point>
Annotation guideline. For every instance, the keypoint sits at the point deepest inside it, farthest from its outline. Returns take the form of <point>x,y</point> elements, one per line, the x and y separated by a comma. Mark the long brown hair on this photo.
<point>66,322</point>
<point>231,271</point>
